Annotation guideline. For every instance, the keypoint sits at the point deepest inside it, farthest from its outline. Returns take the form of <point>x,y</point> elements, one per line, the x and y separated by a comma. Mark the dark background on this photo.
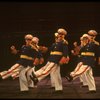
<point>42,19</point>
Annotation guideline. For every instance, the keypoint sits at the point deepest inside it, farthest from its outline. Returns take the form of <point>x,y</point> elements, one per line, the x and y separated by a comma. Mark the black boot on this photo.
<point>34,78</point>
<point>69,77</point>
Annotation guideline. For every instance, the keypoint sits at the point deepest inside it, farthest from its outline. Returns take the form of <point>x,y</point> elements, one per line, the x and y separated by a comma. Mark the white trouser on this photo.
<point>24,79</point>
<point>51,68</point>
<point>80,69</point>
<point>56,80</point>
<point>28,73</point>
<point>52,80</point>
<point>13,71</point>
<point>83,79</point>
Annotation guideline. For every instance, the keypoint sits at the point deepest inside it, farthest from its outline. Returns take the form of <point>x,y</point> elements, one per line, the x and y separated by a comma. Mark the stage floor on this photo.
<point>9,89</point>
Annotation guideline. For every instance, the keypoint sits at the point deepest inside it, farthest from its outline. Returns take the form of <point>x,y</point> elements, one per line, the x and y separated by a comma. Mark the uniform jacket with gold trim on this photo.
<point>88,53</point>
<point>59,48</point>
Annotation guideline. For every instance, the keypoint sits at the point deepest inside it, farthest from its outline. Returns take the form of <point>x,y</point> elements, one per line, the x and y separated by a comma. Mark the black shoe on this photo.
<point>24,92</point>
<point>35,80</point>
<point>84,86</point>
<point>58,92</point>
<point>91,92</point>
<point>52,88</point>
<point>69,78</point>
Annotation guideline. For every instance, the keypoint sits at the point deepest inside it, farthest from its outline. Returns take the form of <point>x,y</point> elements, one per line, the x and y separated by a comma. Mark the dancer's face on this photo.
<point>28,41</point>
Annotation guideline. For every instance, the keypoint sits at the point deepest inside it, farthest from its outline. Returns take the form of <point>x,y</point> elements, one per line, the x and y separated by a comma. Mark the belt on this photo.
<point>88,54</point>
<point>56,53</point>
<point>26,57</point>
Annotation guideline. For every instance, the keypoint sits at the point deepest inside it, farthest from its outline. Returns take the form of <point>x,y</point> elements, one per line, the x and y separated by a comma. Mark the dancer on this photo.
<point>87,60</point>
<point>58,55</point>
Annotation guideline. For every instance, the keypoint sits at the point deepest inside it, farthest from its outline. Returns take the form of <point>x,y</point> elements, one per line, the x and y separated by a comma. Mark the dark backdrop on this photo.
<point>42,19</point>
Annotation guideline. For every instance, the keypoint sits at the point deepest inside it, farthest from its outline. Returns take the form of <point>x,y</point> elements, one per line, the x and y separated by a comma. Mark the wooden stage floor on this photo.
<point>9,89</point>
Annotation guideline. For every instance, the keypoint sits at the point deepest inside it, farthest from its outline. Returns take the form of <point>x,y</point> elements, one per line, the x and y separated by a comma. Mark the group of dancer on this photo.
<point>88,53</point>
<point>31,55</point>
